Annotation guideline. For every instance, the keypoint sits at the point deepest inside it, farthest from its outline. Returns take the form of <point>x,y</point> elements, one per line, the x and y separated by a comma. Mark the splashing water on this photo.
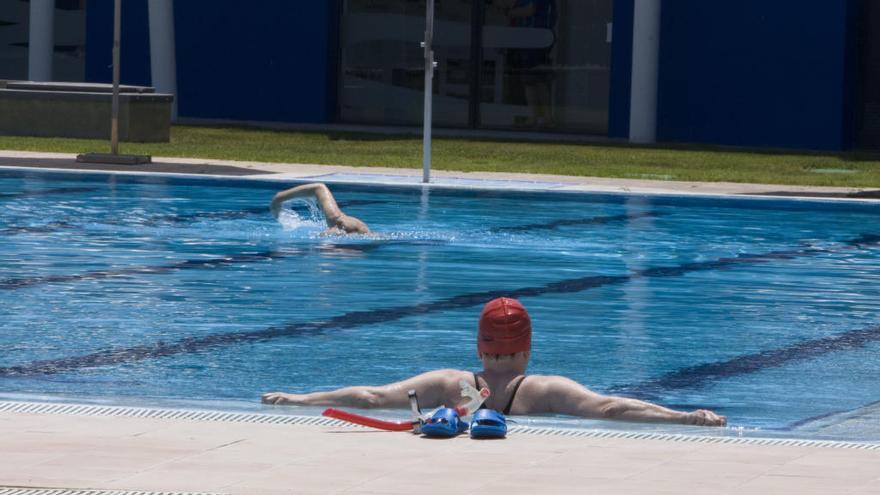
<point>291,220</point>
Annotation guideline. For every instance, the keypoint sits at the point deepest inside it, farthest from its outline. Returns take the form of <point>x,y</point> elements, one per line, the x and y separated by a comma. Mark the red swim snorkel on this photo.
<point>366,421</point>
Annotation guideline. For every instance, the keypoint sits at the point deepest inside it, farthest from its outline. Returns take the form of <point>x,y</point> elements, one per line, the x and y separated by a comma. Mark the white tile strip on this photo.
<point>67,491</point>
<point>232,417</point>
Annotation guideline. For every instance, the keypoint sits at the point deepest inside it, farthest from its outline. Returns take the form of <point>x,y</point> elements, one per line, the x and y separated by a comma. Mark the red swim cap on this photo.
<point>505,328</point>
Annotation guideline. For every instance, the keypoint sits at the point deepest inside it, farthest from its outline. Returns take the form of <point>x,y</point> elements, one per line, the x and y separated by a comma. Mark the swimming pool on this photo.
<point>161,288</point>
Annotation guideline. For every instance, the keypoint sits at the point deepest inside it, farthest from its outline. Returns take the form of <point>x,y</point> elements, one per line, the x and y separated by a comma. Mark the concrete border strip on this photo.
<point>573,188</point>
<point>11,490</point>
<point>284,419</point>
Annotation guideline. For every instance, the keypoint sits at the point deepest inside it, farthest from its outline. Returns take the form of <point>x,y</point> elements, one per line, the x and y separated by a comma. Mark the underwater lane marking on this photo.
<point>383,315</point>
<point>232,214</point>
<point>159,220</point>
<point>704,374</point>
<point>37,229</point>
<point>19,283</point>
<point>574,221</point>
<point>197,264</point>
<point>44,192</point>
<point>860,412</point>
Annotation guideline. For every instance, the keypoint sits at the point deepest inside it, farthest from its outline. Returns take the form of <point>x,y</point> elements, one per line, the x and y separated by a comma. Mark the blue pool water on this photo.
<point>154,288</point>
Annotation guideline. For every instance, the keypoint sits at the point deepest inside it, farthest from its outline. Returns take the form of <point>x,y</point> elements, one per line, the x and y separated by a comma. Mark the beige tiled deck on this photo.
<point>123,453</point>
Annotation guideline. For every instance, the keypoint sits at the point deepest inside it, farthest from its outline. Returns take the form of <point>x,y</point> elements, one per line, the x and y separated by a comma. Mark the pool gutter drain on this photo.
<point>9,490</point>
<point>284,419</point>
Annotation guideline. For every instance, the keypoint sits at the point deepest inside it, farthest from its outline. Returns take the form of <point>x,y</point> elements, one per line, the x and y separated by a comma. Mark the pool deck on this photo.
<point>124,454</point>
<point>440,178</point>
<point>183,456</point>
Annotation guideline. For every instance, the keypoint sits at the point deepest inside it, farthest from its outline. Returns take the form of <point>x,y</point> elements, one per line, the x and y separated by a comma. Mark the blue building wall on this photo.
<point>264,60</point>
<point>134,64</point>
<point>757,73</point>
<point>732,72</point>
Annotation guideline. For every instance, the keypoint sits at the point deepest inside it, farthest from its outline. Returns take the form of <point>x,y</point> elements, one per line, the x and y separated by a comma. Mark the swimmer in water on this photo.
<point>504,341</point>
<point>338,223</point>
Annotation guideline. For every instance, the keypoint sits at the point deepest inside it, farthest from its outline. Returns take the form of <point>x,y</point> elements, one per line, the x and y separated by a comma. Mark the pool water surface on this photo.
<point>159,288</point>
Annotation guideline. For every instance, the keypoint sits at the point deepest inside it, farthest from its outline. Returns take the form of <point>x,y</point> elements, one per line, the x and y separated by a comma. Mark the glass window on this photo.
<point>14,40</point>
<point>382,73</point>
<point>543,64</point>
<point>70,40</point>
<point>68,63</point>
<point>546,65</point>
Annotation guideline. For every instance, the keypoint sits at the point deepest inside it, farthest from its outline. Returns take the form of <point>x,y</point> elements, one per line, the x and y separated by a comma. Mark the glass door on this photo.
<point>546,65</point>
<point>382,74</point>
<point>502,64</point>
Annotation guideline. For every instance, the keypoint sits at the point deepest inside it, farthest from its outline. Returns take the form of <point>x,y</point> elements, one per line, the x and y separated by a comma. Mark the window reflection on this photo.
<point>546,65</point>
<point>382,74</point>
<point>13,40</point>
<point>70,40</point>
<point>70,33</point>
<point>537,64</point>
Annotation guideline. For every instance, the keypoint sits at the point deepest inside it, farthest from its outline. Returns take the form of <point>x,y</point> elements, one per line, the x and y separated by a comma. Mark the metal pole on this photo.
<point>429,91</point>
<point>114,122</point>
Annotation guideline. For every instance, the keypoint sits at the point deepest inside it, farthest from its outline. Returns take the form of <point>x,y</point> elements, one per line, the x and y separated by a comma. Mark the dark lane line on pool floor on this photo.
<point>20,283</point>
<point>575,221</point>
<point>384,315</point>
<point>205,263</point>
<point>44,192</point>
<point>171,218</point>
<point>703,374</point>
<point>246,212</point>
<point>850,414</point>
<point>37,229</point>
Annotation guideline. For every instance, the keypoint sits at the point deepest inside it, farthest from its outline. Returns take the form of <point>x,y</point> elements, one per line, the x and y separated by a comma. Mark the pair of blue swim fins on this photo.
<point>446,422</point>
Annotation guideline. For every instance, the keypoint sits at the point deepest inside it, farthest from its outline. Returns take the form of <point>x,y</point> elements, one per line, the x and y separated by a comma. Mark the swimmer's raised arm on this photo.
<point>561,395</point>
<point>318,190</point>
<point>337,221</point>
<point>433,388</point>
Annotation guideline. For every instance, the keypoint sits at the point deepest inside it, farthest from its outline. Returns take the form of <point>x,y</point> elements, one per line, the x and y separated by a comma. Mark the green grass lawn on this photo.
<point>471,154</point>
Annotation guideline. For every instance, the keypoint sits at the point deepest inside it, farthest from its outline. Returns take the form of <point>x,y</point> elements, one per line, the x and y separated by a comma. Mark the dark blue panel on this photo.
<point>754,73</point>
<point>851,75</point>
<point>621,69</point>
<point>134,63</point>
<point>261,60</point>
<point>334,51</point>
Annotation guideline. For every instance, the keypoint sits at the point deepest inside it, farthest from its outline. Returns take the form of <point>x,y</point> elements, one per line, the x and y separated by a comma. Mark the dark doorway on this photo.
<point>868,126</point>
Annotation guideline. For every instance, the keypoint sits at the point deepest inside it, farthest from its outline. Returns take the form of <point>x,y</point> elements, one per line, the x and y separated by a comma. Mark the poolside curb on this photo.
<point>726,436</point>
<point>66,491</point>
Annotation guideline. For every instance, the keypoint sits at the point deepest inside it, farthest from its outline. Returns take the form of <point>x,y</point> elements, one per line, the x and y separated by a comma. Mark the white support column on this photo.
<point>646,52</point>
<point>163,62</point>
<point>41,43</point>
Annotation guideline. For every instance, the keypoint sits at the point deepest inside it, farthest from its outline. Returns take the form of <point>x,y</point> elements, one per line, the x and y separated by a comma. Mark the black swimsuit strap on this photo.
<point>506,410</point>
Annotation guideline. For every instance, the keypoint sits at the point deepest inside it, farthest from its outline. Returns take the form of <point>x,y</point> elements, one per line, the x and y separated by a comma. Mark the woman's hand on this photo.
<point>280,398</point>
<point>704,417</point>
